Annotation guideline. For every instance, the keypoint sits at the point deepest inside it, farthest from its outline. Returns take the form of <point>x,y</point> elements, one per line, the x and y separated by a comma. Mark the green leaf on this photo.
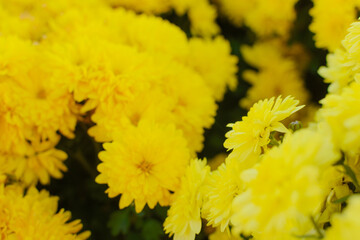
<point>119,222</point>
<point>152,230</point>
<point>352,175</point>
<point>341,160</point>
<point>318,230</point>
<point>341,200</point>
<point>133,236</point>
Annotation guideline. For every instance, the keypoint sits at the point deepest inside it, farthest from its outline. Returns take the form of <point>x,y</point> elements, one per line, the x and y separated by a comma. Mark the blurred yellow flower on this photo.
<point>286,189</point>
<point>34,215</point>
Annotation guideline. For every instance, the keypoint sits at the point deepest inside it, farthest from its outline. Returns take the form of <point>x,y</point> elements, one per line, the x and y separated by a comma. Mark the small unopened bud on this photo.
<point>296,125</point>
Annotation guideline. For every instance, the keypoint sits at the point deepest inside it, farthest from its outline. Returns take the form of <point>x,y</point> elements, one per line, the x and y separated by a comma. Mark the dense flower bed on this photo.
<point>141,86</point>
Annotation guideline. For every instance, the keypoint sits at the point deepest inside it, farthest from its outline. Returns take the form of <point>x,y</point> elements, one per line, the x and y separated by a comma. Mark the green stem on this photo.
<point>84,163</point>
<point>317,229</point>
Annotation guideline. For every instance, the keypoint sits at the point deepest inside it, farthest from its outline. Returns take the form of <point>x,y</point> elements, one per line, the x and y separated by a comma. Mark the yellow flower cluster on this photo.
<point>280,183</point>
<point>35,106</point>
<point>274,182</point>
<point>248,139</point>
<point>33,215</point>
<point>148,92</point>
<point>136,80</point>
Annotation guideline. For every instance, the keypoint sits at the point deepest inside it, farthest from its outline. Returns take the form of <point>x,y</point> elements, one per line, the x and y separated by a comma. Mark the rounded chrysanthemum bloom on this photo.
<point>35,93</point>
<point>221,188</point>
<point>146,6</point>
<point>351,44</point>
<point>37,165</point>
<point>338,72</point>
<point>284,189</point>
<point>276,75</point>
<point>249,137</point>
<point>235,11</point>
<point>344,63</point>
<point>268,18</point>
<point>184,219</point>
<point>202,14</point>
<point>34,215</point>
<point>346,225</point>
<point>265,18</point>
<point>342,113</point>
<point>145,104</point>
<point>329,32</point>
<point>192,111</point>
<point>144,164</point>
<point>212,60</point>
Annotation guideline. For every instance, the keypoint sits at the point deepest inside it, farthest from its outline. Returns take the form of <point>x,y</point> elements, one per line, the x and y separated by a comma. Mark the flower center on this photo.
<point>145,166</point>
<point>41,94</point>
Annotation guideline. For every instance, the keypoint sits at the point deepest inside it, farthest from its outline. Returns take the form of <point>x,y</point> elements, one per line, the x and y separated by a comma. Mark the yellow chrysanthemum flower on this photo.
<point>136,67</point>
<point>111,117</point>
<point>183,220</point>
<point>275,17</point>
<point>34,216</point>
<point>212,60</point>
<point>329,32</point>
<point>144,164</point>
<point>31,19</point>
<point>278,74</point>
<point>338,72</point>
<point>280,80</point>
<point>38,164</point>
<point>343,65</point>
<point>285,189</point>
<point>193,111</point>
<point>174,85</point>
<point>265,18</point>
<point>342,113</point>
<point>147,6</point>
<point>202,14</point>
<point>42,101</point>
<point>346,225</point>
<point>221,188</point>
<point>235,11</point>
<point>249,137</point>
